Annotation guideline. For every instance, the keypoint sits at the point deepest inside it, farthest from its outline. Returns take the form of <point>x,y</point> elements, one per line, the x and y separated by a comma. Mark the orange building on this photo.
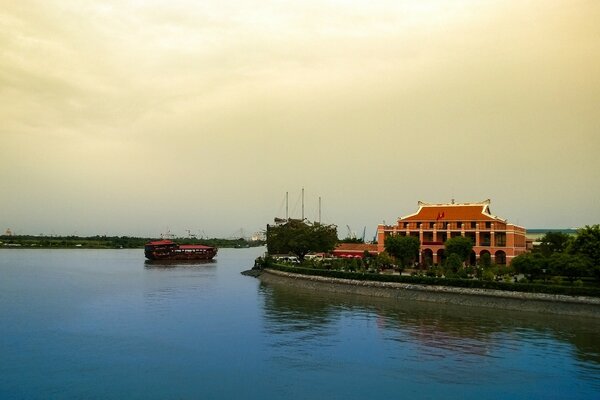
<point>433,224</point>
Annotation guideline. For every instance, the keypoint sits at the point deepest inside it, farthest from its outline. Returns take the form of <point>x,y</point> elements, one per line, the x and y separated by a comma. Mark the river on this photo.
<point>105,324</point>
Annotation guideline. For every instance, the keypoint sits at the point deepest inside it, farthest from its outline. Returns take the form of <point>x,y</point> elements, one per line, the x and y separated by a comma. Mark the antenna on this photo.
<point>302,204</point>
<point>286,205</point>
<point>319,209</point>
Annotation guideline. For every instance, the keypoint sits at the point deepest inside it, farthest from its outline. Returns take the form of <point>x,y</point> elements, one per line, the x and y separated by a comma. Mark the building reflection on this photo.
<point>475,331</point>
<point>170,264</point>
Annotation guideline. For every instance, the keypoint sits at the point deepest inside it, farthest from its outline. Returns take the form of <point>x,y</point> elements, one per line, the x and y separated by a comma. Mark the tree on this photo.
<point>485,260</point>
<point>572,266</point>
<point>383,260</point>
<point>554,242</point>
<point>404,248</point>
<point>587,243</point>
<point>453,264</point>
<point>300,238</point>
<point>531,265</point>
<point>461,246</point>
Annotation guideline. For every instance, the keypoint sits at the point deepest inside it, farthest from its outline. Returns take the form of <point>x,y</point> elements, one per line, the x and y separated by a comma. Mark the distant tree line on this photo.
<point>112,242</point>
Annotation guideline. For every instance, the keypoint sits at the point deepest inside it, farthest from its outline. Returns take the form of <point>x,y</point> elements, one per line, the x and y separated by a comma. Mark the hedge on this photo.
<point>426,280</point>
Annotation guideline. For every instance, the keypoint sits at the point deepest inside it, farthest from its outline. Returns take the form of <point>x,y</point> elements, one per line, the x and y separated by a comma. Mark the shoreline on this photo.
<point>489,298</point>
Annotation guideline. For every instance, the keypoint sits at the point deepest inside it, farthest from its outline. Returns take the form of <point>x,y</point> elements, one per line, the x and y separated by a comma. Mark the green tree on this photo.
<point>461,246</point>
<point>554,242</point>
<point>453,264</point>
<point>572,266</point>
<point>532,265</point>
<point>587,243</point>
<point>485,260</point>
<point>404,248</point>
<point>383,260</point>
<point>300,238</point>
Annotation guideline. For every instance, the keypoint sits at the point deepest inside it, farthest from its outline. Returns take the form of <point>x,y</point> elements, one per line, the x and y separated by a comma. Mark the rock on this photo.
<point>252,272</point>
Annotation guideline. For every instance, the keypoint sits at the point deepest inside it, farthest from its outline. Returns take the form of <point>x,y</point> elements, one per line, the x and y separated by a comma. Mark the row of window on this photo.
<point>445,225</point>
<point>441,237</point>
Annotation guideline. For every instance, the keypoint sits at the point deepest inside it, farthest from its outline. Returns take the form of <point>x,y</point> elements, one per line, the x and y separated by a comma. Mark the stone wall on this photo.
<point>536,302</point>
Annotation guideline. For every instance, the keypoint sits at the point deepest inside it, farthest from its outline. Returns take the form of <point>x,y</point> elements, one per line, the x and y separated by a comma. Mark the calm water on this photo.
<point>105,324</point>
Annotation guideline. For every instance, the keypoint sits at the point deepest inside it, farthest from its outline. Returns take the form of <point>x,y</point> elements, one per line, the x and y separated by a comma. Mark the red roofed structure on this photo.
<point>354,250</point>
<point>433,224</point>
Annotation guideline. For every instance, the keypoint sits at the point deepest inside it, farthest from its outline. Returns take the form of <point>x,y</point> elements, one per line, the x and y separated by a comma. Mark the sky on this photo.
<point>147,117</point>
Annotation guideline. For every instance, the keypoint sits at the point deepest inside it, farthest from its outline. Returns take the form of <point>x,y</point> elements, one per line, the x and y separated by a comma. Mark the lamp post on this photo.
<point>544,272</point>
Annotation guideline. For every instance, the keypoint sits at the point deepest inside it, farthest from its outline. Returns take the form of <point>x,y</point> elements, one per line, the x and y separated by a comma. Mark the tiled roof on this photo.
<point>452,212</point>
<point>359,247</point>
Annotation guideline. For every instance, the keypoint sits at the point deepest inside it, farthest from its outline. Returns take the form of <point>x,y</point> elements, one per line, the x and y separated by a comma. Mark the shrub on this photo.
<point>426,280</point>
<point>556,280</point>
<point>488,275</point>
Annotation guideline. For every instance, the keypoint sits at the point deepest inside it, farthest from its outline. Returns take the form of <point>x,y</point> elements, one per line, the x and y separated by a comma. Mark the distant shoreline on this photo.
<point>498,299</point>
<point>111,242</point>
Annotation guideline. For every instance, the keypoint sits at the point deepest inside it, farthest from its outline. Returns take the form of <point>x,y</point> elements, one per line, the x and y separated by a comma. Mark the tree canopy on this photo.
<point>554,242</point>
<point>531,265</point>
<point>404,248</point>
<point>572,266</point>
<point>300,238</point>
<point>460,246</point>
<point>587,243</point>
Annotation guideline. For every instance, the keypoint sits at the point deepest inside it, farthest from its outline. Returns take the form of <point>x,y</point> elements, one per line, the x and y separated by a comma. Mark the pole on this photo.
<point>302,204</point>
<point>319,210</point>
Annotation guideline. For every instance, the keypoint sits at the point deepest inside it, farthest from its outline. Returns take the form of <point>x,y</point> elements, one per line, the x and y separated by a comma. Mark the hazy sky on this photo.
<point>134,117</point>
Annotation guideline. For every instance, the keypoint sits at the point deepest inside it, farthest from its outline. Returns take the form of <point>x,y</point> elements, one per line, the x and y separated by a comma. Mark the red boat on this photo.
<point>169,250</point>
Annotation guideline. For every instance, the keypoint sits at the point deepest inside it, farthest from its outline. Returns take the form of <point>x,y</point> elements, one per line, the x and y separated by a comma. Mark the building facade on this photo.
<point>433,224</point>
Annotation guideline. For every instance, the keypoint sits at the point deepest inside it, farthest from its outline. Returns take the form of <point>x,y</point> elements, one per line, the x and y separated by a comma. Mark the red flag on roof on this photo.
<point>440,216</point>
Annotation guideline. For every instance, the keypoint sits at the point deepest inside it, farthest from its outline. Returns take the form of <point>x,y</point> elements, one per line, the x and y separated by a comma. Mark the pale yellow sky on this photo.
<point>131,117</point>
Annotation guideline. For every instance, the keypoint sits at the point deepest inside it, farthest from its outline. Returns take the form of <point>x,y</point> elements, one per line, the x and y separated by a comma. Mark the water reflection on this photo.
<point>410,332</point>
<point>169,264</point>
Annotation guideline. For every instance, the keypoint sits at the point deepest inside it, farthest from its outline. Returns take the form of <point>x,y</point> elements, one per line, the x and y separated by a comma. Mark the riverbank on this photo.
<point>498,299</point>
<point>111,242</point>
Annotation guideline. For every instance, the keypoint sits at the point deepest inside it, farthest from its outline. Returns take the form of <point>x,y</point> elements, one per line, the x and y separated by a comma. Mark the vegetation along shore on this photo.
<point>111,242</point>
<point>562,268</point>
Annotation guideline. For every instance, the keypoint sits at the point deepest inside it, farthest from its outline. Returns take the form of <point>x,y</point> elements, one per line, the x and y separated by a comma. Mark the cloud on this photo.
<point>373,105</point>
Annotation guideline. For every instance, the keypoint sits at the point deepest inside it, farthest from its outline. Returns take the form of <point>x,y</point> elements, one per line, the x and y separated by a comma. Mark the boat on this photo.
<point>169,250</point>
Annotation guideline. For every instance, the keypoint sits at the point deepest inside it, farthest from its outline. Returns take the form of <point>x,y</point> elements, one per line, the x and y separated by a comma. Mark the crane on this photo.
<point>351,235</point>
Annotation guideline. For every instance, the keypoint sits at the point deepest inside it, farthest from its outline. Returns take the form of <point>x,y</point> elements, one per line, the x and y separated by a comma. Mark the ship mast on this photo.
<point>302,204</point>
<point>319,210</point>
